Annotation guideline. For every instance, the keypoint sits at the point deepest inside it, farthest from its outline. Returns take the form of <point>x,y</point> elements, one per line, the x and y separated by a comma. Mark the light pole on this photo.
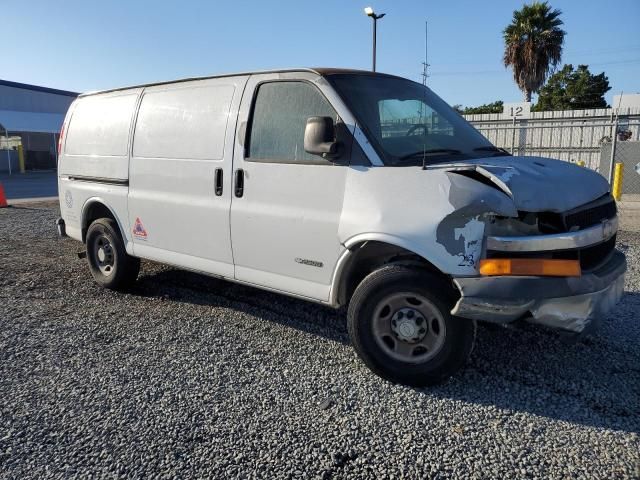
<point>370,13</point>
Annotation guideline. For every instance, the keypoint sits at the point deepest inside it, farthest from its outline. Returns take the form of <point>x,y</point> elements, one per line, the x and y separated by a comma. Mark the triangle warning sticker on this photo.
<point>138,230</point>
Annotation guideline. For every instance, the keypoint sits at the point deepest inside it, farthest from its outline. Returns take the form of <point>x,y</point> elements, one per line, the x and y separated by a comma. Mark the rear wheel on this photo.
<point>108,261</point>
<point>400,325</point>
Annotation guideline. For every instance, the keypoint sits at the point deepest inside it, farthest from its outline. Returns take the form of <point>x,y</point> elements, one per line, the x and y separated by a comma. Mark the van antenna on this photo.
<point>425,74</point>
<point>425,64</point>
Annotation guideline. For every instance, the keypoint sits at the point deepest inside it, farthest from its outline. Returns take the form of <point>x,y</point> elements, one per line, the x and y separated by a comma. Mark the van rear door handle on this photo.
<point>218,181</point>
<point>239,182</point>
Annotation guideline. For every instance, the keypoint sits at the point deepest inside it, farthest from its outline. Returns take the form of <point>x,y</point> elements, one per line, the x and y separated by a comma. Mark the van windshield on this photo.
<point>407,123</point>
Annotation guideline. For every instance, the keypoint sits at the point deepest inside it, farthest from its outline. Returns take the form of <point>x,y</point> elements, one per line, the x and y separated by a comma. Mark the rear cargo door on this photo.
<point>180,173</point>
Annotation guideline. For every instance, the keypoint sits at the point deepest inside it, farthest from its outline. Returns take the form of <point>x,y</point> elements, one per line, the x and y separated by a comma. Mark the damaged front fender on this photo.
<point>461,232</point>
<point>438,214</point>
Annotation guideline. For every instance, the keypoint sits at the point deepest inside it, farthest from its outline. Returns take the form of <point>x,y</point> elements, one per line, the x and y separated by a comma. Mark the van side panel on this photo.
<point>182,141</point>
<point>77,196</point>
<point>97,137</point>
<point>187,123</point>
<point>94,162</point>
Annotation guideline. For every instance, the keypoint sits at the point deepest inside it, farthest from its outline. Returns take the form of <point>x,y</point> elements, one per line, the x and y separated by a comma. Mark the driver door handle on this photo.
<point>218,181</point>
<point>239,182</point>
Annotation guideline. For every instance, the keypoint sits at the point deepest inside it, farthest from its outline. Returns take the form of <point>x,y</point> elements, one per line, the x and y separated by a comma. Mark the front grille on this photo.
<point>590,216</point>
<point>582,217</point>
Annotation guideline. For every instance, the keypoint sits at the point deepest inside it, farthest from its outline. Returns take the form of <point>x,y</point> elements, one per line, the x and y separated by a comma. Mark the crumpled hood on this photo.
<point>537,184</point>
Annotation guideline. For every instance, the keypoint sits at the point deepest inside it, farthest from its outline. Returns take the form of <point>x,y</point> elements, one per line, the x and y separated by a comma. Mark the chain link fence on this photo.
<point>626,153</point>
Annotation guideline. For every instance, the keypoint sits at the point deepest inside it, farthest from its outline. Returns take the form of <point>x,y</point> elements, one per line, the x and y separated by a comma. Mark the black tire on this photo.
<point>452,337</point>
<point>112,268</point>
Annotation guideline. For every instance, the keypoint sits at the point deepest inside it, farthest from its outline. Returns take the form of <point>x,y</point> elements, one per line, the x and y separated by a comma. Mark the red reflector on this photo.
<point>60,139</point>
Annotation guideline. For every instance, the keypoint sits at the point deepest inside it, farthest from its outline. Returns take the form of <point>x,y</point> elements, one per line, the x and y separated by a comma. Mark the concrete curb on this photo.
<point>21,201</point>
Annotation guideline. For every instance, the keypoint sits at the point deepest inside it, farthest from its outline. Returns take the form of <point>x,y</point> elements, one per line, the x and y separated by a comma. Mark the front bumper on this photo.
<point>568,303</point>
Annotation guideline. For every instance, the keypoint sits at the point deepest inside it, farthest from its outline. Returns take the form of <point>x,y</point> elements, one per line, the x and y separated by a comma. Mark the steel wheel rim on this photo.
<point>104,255</point>
<point>408,327</point>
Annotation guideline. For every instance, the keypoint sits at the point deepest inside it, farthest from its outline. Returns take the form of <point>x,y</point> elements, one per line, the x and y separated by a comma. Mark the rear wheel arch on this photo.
<point>94,209</point>
<point>366,256</point>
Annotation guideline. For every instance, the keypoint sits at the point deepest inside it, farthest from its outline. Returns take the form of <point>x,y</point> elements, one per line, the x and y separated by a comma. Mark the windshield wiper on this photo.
<point>491,148</point>
<point>451,151</point>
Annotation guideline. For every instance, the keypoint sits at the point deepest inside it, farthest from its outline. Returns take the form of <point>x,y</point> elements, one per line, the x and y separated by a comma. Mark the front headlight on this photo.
<point>525,224</point>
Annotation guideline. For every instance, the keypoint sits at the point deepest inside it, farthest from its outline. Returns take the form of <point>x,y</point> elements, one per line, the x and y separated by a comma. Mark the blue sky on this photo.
<point>88,45</point>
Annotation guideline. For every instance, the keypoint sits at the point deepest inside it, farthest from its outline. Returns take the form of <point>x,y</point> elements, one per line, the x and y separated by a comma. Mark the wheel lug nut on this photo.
<point>419,320</point>
<point>410,314</point>
<point>422,330</point>
<point>400,315</point>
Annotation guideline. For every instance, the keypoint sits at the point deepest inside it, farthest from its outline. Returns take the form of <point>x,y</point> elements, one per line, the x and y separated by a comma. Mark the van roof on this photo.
<point>318,71</point>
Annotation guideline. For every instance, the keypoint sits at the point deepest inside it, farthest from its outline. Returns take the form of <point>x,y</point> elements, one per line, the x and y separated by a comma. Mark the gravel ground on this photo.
<point>188,376</point>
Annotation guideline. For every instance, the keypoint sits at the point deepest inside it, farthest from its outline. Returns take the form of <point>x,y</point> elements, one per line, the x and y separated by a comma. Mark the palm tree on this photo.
<point>533,45</point>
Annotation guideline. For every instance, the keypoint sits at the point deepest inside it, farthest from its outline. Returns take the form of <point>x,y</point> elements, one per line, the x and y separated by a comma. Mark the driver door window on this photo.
<point>280,114</point>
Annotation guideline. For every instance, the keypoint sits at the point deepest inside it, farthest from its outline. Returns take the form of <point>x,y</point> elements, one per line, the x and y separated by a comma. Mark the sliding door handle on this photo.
<point>219,177</point>
<point>239,182</point>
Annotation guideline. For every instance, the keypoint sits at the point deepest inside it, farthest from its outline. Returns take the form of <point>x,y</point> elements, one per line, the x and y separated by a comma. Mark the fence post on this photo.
<point>513,135</point>
<point>614,138</point>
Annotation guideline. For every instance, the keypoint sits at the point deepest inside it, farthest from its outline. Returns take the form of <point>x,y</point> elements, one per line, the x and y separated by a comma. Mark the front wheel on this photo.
<point>399,324</point>
<point>110,265</point>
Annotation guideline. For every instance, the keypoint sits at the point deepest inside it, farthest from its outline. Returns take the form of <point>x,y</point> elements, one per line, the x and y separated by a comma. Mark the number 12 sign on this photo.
<point>516,110</point>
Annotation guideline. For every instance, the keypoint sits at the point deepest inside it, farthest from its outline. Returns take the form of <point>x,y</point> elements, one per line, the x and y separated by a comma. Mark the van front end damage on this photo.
<point>540,236</point>
<point>570,303</point>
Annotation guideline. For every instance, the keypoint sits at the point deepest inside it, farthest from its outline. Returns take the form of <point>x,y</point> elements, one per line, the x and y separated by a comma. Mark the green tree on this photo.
<point>570,89</point>
<point>495,107</point>
<point>533,45</point>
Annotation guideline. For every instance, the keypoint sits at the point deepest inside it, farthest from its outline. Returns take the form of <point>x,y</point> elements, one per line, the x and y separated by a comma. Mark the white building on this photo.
<point>626,100</point>
<point>31,116</point>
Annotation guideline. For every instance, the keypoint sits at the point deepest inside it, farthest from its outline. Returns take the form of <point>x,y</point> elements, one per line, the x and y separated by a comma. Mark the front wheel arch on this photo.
<point>366,256</point>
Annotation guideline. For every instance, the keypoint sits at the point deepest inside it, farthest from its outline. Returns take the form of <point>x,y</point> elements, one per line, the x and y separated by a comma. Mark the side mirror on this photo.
<point>320,136</point>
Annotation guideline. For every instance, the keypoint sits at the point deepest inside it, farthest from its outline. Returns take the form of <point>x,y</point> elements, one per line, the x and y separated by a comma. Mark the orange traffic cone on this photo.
<point>3,198</point>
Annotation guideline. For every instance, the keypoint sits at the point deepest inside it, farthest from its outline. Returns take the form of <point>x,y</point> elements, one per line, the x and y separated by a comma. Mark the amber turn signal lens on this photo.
<point>530,266</point>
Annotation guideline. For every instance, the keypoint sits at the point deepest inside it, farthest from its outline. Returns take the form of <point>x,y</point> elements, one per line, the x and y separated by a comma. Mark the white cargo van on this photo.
<point>346,188</point>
